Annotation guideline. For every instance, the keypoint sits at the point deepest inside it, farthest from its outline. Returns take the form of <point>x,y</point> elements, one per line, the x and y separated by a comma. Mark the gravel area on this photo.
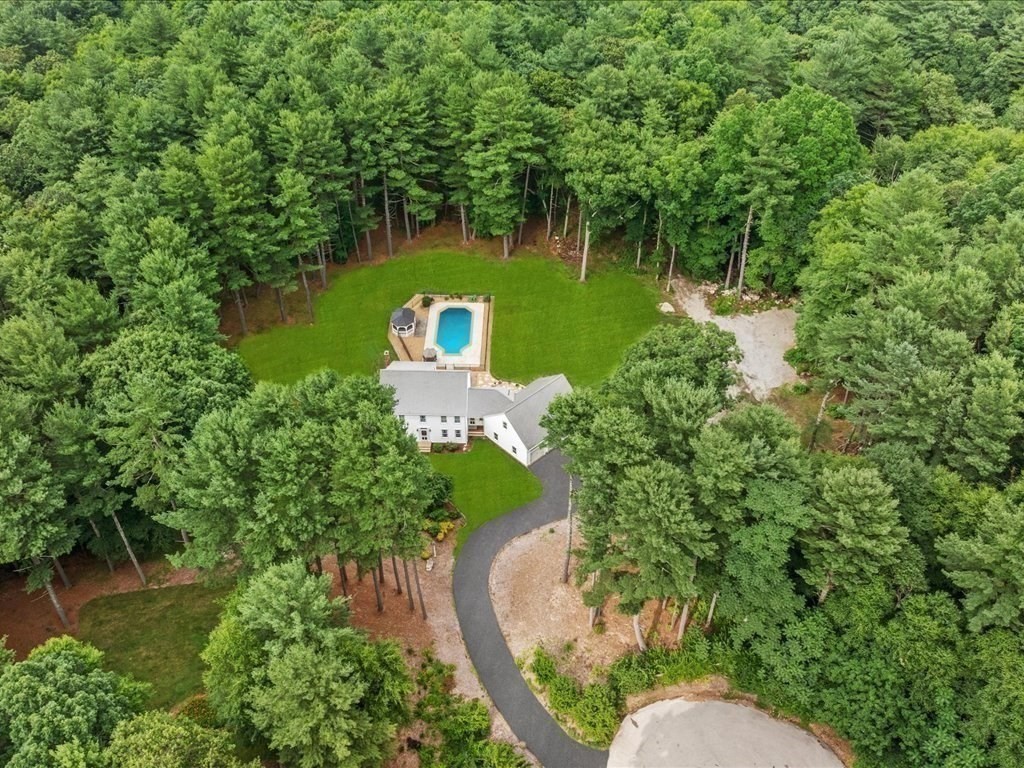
<point>762,337</point>
<point>713,734</point>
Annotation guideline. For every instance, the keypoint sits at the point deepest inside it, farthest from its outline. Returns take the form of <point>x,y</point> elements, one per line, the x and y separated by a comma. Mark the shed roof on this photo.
<point>531,404</point>
<point>403,316</point>
<point>427,392</point>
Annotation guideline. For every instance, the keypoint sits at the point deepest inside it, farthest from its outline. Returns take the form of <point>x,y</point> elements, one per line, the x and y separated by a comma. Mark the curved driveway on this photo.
<point>494,664</point>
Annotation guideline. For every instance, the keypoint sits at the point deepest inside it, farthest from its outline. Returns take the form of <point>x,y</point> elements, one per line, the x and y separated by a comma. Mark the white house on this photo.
<point>433,403</point>
<point>517,429</point>
<point>441,406</point>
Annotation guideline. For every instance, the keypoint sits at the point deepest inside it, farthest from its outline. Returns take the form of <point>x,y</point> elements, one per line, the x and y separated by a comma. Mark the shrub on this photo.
<point>801,388</point>
<point>459,728</point>
<point>443,529</point>
<point>463,723</point>
<point>499,754</point>
<point>690,661</point>
<point>543,667</point>
<point>597,713</point>
<point>726,304</point>
<point>426,301</point>
<point>439,487</point>
<point>632,674</point>
<point>563,694</point>
<point>436,448</point>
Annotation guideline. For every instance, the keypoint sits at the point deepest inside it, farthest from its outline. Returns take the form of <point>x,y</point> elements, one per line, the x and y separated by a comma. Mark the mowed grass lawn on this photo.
<point>545,320</point>
<point>155,635</point>
<point>488,483</point>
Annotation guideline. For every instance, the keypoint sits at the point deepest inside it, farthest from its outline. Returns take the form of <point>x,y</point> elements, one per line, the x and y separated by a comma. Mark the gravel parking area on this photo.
<point>763,338</point>
<point>713,734</point>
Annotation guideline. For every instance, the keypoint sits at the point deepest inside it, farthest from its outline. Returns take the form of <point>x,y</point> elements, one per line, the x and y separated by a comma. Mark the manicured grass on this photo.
<point>545,320</point>
<point>488,483</point>
<point>155,635</point>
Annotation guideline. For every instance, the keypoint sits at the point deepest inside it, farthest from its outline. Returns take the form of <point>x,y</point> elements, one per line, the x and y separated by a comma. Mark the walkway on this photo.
<point>494,663</point>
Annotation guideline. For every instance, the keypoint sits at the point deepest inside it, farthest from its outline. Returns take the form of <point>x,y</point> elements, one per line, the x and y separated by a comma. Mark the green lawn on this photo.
<point>545,320</point>
<point>155,635</point>
<point>488,483</point>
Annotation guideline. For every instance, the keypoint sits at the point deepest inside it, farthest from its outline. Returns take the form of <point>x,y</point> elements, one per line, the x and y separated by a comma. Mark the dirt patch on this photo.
<point>763,338</point>
<point>535,608</point>
<point>28,619</point>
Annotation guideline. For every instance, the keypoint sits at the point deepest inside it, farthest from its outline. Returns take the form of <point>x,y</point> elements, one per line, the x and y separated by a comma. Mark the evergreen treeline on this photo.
<point>159,161</point>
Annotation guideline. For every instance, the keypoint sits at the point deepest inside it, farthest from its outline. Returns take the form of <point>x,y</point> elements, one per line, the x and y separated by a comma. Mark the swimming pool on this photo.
<point>454,329</point>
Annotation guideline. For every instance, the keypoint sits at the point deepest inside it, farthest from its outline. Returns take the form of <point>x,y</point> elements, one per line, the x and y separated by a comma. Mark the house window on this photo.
<point>444,433</point>
<point>444,419</point>
<point>458,433</point>
<point>472,421</point>
<point>458,419</point>
<point>504,425</point>
<point>495,435</point>
<point>514,451</point>
<point>423,419</point>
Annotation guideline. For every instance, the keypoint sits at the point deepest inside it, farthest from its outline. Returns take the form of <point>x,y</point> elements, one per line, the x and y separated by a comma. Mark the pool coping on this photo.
<point>472,355</point>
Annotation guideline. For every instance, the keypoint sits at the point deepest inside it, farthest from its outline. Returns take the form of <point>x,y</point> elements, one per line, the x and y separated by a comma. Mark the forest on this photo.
<point>162,163</point>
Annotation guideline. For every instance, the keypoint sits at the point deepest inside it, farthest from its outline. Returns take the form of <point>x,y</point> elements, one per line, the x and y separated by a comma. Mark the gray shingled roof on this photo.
<point>531,404</point>
<point>427,392</point>
<point>403,316</point>
<point>483,401</point>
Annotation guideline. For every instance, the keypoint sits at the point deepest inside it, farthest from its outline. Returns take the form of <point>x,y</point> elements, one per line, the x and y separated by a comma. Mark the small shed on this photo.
<point>403,321</point>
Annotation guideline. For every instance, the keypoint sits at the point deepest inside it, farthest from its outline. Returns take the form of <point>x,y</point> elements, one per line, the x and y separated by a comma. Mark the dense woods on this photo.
<point>162,163</point>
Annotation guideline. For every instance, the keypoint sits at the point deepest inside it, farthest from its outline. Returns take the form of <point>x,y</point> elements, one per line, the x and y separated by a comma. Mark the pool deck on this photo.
<point>410,348</point>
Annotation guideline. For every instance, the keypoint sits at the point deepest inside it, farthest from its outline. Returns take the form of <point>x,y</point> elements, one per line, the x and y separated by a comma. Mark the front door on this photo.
<point>424,434</point>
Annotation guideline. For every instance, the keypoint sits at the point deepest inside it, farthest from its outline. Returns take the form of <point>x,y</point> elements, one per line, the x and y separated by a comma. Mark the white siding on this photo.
<point>435,428</point>
<point>498,430</point>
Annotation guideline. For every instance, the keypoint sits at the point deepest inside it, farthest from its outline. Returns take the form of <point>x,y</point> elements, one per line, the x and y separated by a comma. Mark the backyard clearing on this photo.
<point>155,635</point>
<point>713,734</point>
<point>763,338</point>
<point>545,321</point>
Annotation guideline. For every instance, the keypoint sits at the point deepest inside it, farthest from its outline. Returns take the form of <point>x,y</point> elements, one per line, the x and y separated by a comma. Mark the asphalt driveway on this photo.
<point>494,664</point>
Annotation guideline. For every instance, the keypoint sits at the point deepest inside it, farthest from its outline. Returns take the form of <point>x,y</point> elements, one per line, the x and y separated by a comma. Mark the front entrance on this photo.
<point>424,434</point>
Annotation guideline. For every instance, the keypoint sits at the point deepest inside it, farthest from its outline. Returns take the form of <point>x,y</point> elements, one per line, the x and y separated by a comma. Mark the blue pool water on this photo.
<point>454,326</point>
